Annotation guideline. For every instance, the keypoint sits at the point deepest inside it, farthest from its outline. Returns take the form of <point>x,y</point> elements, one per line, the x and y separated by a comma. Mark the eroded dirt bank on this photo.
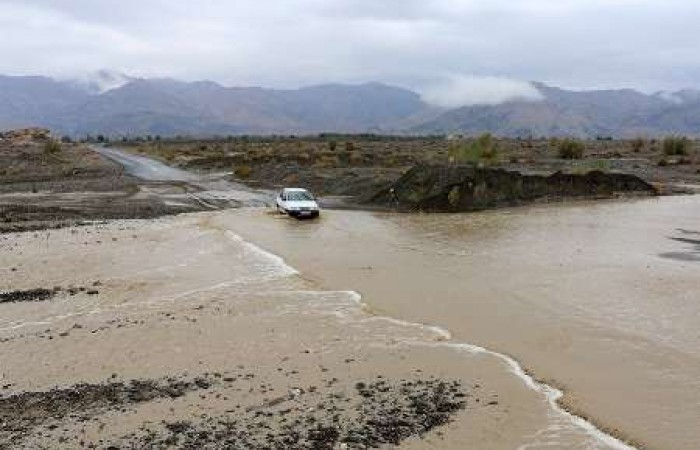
<point>460,188</point>
<point>45,183</point>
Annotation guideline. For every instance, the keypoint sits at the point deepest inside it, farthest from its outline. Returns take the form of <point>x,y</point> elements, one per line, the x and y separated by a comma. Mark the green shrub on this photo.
<point>674,145</point>
<point>570,149</point>
<point>483,148</point>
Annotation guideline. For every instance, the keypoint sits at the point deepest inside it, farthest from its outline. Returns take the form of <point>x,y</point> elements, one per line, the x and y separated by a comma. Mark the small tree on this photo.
<point>570,149</point>
<point>676,145</point>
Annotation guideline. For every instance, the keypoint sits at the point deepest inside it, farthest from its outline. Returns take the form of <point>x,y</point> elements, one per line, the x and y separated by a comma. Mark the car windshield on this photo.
<point>299,196</point>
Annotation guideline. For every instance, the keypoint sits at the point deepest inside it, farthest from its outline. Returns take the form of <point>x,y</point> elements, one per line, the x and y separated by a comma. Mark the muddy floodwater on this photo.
<point>247,328</point>
<point>599,299</point>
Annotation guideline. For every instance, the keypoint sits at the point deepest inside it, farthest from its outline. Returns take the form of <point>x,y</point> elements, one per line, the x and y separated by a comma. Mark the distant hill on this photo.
<point>168,107</point>
<point>117,105</point>
<point>617,113</point>
<point>30,101</point>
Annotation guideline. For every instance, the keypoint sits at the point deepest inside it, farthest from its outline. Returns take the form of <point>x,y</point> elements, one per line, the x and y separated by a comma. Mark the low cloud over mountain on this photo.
<point>118,105</point>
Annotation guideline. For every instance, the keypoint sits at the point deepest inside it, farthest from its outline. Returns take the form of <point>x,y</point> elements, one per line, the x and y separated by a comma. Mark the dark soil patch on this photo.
<point>382,413</point>
<point>31,295</point>
<point>21,413</point>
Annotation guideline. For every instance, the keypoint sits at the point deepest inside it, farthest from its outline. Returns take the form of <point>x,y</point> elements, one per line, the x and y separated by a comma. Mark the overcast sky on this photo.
<point>436,46</point>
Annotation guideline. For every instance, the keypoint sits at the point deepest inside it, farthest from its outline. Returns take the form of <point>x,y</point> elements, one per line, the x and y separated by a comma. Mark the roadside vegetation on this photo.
<point>52,146</point>
<point>676,146</point>
<point>481,151</point>
<point>570,149</point>
<point>340,164</point>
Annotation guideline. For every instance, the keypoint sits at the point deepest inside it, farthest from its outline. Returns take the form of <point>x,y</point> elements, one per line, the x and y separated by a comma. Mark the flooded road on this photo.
<point>210,190</point>
<point>174,329</point>
<point>599,299</point>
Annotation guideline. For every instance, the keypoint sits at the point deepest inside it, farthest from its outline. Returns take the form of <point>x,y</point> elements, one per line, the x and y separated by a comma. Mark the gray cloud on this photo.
<point>648,44</point>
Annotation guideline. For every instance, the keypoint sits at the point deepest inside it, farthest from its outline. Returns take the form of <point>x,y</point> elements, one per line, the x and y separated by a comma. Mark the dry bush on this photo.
<point>638,145</point>
<point>327,161</point>
<point>570,149</point>
<point>483,148</point>
<point>676,145</point>
<point>52,146</point>
<point>356,158</point>
<point>243,171</point>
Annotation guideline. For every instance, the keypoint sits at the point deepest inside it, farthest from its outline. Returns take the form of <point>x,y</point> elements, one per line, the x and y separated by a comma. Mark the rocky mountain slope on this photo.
<point>131,106</point>
<point>616,113</point>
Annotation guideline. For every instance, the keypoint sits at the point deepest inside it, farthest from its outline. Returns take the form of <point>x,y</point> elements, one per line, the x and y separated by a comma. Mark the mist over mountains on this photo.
<point>117,105</point>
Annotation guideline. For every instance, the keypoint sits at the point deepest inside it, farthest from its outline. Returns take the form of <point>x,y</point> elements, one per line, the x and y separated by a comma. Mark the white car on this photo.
<point>297,202</point>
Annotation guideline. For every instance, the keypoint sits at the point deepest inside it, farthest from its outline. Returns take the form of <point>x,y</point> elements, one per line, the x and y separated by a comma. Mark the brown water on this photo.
<point>185,296</point>
<point>602,300</point>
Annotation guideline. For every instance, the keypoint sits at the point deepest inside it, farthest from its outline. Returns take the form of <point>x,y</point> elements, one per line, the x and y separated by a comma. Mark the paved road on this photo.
<point>212,191</point>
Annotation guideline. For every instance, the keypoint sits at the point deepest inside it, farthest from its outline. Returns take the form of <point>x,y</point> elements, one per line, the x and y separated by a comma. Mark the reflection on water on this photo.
<point>693,248</point>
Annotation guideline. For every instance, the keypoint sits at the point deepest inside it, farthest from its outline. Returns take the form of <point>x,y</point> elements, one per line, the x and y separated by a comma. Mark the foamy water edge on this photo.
<point>551,394</point>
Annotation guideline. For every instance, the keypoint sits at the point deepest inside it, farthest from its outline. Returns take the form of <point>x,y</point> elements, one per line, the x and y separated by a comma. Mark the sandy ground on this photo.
<point>250,348</point>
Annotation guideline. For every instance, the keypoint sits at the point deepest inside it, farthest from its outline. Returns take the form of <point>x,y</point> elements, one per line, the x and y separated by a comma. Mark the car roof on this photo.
<point>295,190</point>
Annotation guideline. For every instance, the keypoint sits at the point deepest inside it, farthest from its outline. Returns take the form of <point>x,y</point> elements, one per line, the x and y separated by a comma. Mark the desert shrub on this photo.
<point>482,148</point>
<point>355,158</point>
<point>663,162</point>
<point>570,149</point>
<point>332,145</point>
<point>52,146</point>
<point>242,171</point>
<point>637,145</point>
<point>676,145</point>
<point>328,161</point>
<point>349,146</point>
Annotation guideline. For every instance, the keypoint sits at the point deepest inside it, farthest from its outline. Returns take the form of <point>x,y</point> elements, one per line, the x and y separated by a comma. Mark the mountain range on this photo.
<point>117,105</point>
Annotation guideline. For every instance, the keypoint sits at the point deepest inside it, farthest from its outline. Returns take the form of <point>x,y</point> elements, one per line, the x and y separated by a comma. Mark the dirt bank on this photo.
<point>455,188</point>
<point>45,183</point>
